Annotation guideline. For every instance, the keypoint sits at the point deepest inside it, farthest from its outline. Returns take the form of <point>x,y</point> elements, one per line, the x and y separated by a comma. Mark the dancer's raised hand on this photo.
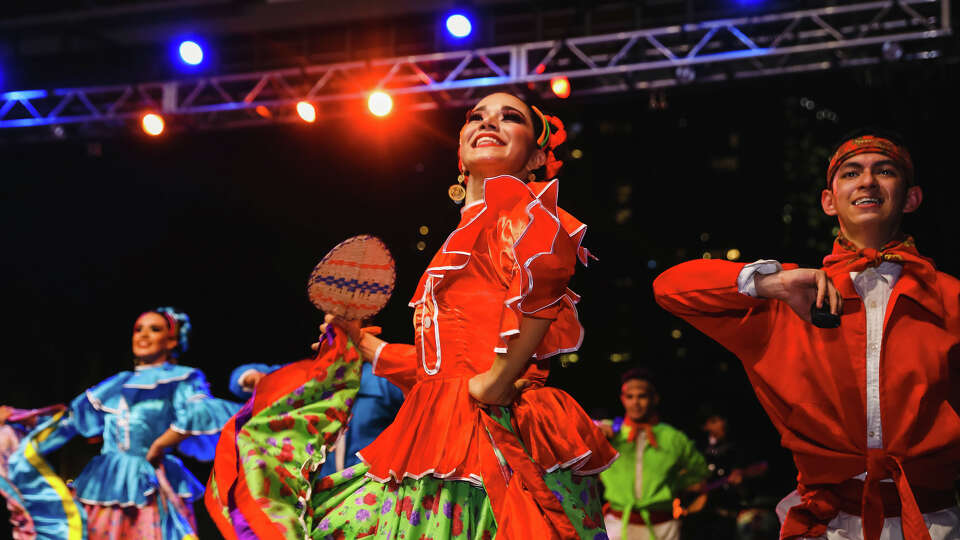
<point>800,288</point>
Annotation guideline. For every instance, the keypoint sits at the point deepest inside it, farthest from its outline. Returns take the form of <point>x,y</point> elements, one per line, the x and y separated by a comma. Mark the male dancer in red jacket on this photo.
<point>869,408</point>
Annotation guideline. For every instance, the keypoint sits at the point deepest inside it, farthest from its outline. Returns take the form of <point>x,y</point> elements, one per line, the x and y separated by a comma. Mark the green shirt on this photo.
<point>672,466</point>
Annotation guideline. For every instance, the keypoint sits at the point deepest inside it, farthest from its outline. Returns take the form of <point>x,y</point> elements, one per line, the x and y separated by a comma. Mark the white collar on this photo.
<point>887,271</point>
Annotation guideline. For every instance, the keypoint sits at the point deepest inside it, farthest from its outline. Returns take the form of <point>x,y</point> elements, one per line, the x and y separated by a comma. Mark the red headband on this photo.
<point>171,322</point>
<point>870,144</point>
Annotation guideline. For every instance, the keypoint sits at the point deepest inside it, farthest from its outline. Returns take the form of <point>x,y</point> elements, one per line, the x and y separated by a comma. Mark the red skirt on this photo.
<point>438,431</point>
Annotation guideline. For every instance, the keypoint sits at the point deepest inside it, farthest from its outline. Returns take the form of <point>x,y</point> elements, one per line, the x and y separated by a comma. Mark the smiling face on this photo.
<point>869,195</point>
<point>498,138</point>
<point>152,337</point>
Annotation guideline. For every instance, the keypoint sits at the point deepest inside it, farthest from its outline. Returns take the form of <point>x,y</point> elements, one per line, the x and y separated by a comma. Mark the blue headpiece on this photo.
<point>179,321</point>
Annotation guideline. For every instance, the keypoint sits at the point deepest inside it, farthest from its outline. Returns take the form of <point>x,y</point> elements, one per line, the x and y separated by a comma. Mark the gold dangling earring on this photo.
<point>532,177</point>
<point>456,192</point>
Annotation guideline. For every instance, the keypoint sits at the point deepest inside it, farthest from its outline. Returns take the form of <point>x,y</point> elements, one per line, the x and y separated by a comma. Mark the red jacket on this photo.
<point>811,381</point>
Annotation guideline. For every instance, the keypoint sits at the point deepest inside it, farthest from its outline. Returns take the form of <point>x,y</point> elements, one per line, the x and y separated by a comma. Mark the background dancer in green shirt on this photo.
<point>657,461</point>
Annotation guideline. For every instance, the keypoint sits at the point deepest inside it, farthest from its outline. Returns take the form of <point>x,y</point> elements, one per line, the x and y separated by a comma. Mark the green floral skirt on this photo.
<point>265,483</point>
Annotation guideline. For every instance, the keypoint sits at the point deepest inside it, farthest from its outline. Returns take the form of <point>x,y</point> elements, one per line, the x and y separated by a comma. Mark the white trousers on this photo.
<point>943,524</point>
<point>668,530</point>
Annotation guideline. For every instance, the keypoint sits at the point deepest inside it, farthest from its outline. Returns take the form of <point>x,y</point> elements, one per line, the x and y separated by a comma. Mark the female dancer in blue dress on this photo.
<point>134,489</point>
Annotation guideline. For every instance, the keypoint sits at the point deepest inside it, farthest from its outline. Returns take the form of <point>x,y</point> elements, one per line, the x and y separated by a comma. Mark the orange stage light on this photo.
<point>307,112</point>
<point>560,86</point>
<point>152,124</point>
<point>380,103</point>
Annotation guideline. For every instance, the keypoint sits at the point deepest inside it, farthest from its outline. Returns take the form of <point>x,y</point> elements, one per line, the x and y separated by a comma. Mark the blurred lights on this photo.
<point>707,255</point>
<point>424,230</point>
<point>560,86</point>
<point>459,25</point>
<point>619,357</point>
<point>733,254</point>
<point>686,74</point>
<point>152,124</point>
<point>676,333</point>
<point>263,111</point>
<point>891,51</point>
<point>380,103</point>
<point>421,245</point>
<point>191,52</point>
<point>567,359</point>
<point>576,153</point>
<point>307,112</point>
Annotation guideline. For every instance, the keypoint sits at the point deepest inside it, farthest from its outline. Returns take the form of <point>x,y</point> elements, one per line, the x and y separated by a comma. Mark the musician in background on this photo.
<point>727,492</point>
<point>657,462</point>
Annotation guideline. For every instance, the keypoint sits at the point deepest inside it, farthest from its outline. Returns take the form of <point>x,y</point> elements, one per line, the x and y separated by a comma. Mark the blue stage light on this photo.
<point>459,25</point>
<point>191,52</point>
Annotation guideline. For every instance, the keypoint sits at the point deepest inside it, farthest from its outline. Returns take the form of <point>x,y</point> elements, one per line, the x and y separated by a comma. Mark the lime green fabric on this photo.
<point>667,470</point>
<point>350,505</point>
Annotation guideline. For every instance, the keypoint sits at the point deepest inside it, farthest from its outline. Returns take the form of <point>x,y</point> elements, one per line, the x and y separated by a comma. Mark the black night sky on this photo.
<point>227,225</point>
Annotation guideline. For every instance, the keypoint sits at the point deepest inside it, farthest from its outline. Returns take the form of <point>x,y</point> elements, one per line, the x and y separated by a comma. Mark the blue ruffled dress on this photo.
<point>133,408</point>
<point>130,410</point>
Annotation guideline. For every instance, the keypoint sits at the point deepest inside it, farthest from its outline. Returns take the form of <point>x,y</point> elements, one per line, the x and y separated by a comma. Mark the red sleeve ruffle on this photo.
<point>543,245</point>
<point>535,246</point>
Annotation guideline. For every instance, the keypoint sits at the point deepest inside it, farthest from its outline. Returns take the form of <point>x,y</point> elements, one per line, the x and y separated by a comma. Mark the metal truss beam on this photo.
<point>858,33</point>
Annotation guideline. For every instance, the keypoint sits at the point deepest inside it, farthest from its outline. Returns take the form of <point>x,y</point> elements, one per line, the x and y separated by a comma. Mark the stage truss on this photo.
<point>855,34</point>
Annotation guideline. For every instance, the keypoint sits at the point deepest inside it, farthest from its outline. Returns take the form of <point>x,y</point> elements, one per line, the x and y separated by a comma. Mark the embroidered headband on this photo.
<point>871,144</point>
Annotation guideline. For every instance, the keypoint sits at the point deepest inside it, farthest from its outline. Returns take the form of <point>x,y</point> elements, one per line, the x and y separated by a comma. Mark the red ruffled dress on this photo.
<point>512,255</point>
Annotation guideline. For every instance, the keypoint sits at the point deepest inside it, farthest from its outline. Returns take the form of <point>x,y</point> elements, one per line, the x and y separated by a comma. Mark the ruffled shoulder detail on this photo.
<point>501,194</point>
<point>521,203</point>
<point>102,397</point>
<point>545,243</point>
<point>202,418</point>
<point>152,377</point>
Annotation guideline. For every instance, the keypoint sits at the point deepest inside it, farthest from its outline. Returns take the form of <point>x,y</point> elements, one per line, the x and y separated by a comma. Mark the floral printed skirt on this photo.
<point>350,505</point>
<point>265,483</point>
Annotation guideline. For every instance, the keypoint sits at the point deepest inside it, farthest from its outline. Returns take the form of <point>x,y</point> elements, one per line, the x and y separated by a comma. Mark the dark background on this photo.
<point>228,225</point>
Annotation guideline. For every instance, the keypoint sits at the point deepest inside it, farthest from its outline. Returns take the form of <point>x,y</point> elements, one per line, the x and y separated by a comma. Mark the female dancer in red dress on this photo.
<point>480,446</point>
